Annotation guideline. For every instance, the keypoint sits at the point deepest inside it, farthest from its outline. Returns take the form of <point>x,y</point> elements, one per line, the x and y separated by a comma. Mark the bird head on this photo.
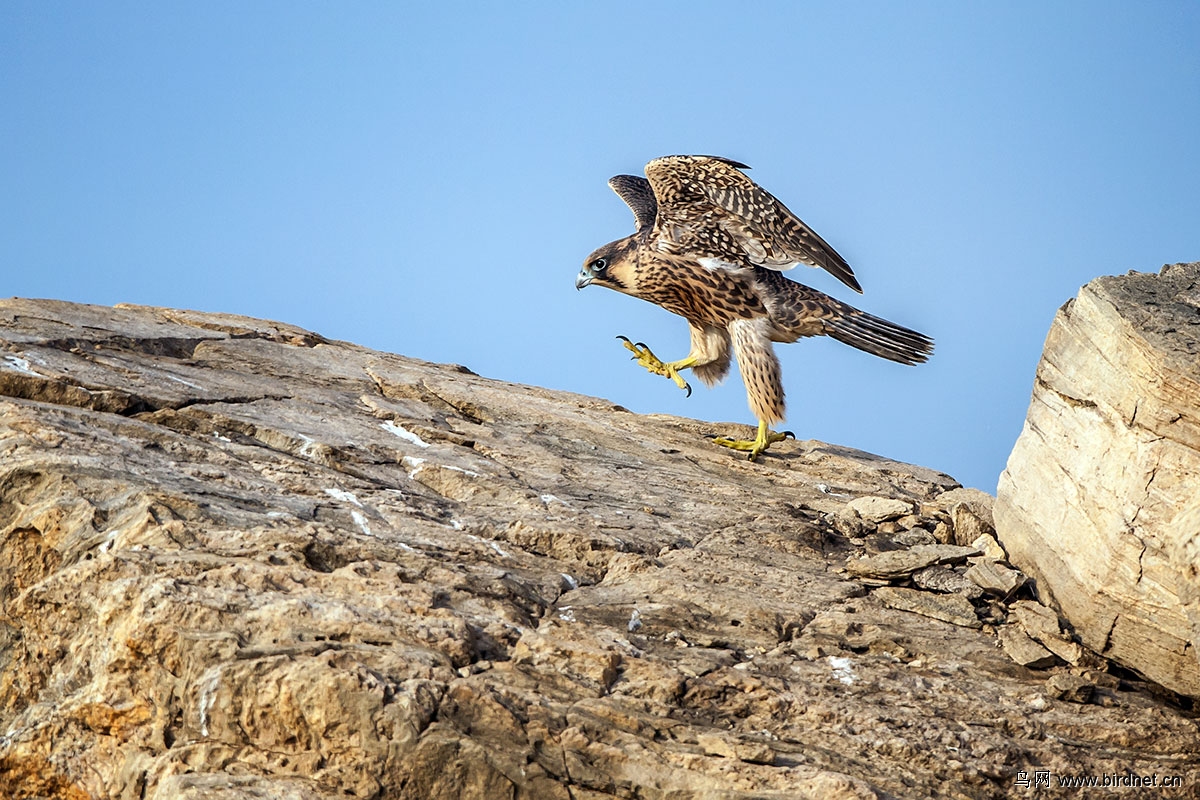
<point>611,266</point>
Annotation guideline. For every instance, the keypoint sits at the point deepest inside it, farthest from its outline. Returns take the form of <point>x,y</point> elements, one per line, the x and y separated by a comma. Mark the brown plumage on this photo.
<point>710,245</point>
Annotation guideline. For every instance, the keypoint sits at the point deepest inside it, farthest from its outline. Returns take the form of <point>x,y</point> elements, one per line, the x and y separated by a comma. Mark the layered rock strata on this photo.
<point>238,560</point>
<point>1095,501</point>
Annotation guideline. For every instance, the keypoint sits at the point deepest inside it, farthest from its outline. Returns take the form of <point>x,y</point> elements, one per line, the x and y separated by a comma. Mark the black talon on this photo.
<point>641,345</point>
<point>789,433</point>
<point>689,390</point>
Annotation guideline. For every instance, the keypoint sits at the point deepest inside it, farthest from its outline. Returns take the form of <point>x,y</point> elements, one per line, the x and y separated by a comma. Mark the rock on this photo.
<point>850,524</point>
<point>970,512</point>
<point>241,561</point>
<point>953,608</point>
<point>899,563</point>
<point>1041,623</point>
<point>880,509</point>
<point>1184,539</point>
<point>969,526</point>
<point>944,579</point>
<point>914,537</point>
<point>995,578</point>
<point>976,501</point>
<point>1108,456</point>
<point>1072,688</point>
<point>989,547</point>
<point>943,533</point>
<point>1024,650</point>
<point>751,752</point>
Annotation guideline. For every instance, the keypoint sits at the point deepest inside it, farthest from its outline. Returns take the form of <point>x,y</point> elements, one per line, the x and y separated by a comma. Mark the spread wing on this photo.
<point>637,194</point>
<point>706,203</point>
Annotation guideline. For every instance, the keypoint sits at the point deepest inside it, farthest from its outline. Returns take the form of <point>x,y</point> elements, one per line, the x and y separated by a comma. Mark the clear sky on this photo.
<point>427,178</point>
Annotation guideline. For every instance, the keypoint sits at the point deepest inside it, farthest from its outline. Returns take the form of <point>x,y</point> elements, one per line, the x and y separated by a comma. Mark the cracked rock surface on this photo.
<point>1095,500</point>
<point>238,560</point>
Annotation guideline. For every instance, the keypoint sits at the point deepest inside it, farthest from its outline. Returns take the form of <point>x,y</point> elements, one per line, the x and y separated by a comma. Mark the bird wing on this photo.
<point>637,194</point>
<point>707,202</point>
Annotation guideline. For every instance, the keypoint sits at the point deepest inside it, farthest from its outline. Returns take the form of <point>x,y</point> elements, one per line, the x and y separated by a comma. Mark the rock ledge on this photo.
<point>238,560</point>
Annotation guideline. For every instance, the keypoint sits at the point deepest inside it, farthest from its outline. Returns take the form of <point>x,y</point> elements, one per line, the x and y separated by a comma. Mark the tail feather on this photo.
<point>798,310</point>
<point>879,337</point>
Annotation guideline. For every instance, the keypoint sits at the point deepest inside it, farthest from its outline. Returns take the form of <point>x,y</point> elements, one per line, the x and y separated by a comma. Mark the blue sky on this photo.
<point>427,179</point>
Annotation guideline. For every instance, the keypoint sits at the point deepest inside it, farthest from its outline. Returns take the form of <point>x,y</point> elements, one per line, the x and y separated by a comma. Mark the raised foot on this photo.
<point>766,437</point>
<point>653,364</point>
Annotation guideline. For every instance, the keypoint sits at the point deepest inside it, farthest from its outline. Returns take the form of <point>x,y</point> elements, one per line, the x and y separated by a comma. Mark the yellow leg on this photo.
<point>766,437</point>
<point>651,362</point>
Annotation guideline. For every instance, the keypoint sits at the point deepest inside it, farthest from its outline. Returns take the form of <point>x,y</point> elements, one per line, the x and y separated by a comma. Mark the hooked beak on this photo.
<point>583,278</point>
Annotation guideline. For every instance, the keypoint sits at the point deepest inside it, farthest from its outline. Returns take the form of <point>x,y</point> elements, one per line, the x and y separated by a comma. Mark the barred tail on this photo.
<point>878,336</point>
<point>798,310</point>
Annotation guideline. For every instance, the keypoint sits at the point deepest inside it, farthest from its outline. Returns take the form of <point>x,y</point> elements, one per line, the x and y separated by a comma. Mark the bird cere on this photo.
<point>710,246</point>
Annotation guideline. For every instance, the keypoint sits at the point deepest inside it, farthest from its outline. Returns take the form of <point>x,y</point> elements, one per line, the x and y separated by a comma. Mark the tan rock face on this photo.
<point>1109,456</point>
<point>240,561</point>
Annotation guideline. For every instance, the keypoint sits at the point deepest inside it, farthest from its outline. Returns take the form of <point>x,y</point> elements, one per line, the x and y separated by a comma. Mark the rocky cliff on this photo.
<point>1101,497</point>
<point>238,560</point>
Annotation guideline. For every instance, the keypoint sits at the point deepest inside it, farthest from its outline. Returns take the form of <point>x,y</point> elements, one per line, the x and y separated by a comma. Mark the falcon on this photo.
<point>711,246</point>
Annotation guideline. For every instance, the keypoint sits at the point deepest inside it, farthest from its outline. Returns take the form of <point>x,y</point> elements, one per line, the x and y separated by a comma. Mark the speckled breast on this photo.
<point>701,295</point>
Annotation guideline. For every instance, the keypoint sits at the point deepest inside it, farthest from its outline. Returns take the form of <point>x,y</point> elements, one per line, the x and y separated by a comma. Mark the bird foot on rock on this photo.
<point>766,437</point>
<point>653,364</point>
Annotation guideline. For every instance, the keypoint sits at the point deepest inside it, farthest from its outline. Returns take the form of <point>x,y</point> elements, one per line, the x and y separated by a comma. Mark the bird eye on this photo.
<point>599,264</point>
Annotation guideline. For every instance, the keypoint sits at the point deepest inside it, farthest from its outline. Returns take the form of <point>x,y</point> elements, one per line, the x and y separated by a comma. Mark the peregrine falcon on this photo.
<point>710,246</point>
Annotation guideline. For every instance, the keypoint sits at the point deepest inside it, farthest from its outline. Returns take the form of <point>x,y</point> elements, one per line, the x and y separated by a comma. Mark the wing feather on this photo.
<point>707,203</point>
<point>637,194</point>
